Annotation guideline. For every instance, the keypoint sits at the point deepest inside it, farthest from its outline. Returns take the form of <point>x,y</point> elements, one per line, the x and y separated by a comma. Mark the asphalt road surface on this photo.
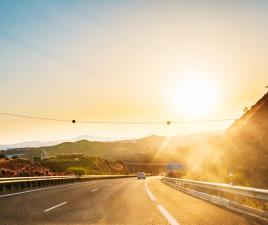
<point>117,201</point>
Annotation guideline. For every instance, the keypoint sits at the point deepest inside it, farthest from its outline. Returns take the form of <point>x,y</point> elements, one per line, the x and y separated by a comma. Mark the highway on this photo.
<point>113,201</point>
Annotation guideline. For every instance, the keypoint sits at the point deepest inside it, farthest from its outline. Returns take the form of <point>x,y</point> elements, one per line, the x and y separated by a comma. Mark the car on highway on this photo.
<point>141,175</point>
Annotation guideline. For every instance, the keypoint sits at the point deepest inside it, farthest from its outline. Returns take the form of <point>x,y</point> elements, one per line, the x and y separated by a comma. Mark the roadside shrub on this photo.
<point>175,174</point>
<point>77,170</point>
<point>238,179</point>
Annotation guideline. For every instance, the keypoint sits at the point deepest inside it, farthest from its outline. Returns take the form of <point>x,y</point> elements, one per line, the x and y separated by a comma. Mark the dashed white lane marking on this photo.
<point>40,189</point>
<point>56,206</point>
<point>96,189</point>
<point>167,215</point>
<point>149,192</point>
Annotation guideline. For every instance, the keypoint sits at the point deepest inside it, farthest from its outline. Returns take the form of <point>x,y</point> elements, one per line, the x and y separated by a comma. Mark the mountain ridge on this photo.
<point>32,144</point>
<point>165,147</point>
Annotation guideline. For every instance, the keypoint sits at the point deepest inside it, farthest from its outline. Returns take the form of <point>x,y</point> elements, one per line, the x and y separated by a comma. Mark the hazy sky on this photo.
<point>128,61</point>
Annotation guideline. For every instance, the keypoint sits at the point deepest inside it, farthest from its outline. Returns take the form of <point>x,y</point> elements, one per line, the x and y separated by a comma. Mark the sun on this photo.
<point>195,97</point>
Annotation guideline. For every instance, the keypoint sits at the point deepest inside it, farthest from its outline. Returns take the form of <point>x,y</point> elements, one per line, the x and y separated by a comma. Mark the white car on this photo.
<point>141,176</point>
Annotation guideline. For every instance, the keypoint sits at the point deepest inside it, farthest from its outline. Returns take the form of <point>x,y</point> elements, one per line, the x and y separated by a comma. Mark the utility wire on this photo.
<point>116,122</point>
<point>203,121</point>
<point>33,117</point>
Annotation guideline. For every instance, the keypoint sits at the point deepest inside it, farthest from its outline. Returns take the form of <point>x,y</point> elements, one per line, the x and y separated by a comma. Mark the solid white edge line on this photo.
<point>151,196</point>
<point>40,189</point>
<point>167,215</point>
<point>96,189</point>
<point>56,206</point>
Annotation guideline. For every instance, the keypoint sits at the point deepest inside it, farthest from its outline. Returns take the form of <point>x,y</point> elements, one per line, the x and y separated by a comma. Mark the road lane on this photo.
<point>118,201</point>
<point>28,208</point>
<point>189,210</point>
<point>124,202</point>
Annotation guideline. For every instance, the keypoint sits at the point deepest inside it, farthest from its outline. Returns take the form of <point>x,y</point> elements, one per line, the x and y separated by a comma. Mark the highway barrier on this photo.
<point>249,201</point>
<point>18,183</point>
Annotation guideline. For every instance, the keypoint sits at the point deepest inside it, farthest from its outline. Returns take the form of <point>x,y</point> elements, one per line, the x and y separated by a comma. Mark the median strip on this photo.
<point>56,206</point>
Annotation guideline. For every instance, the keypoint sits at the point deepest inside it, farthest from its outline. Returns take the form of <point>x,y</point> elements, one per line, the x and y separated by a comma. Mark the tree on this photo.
<point>246,109</point>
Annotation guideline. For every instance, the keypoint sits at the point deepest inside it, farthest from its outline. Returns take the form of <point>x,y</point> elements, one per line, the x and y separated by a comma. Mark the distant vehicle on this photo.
<point>141,176</point>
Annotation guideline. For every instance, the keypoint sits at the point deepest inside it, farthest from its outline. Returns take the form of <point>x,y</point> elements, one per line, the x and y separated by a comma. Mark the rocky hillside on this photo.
<point>60,165</point>
<point>23,167</point>
<point>246,144</point>
<point>239,156</point>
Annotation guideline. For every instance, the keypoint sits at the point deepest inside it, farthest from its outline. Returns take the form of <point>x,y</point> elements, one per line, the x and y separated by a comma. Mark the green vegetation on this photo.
<point>238,179</point>
<point>77,170</point>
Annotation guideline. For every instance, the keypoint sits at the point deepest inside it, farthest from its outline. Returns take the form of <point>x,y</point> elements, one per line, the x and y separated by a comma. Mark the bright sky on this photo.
<point>128,61</point>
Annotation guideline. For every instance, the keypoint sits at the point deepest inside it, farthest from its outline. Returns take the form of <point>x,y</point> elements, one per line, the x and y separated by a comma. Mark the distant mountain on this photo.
<point>151,148</point>
<point>30,144</point>
<point>95,138</point>
<point>34,144</point>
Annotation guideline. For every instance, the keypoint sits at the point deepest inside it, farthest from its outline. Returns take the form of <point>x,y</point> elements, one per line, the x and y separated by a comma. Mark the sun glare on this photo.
<point>195,97</point>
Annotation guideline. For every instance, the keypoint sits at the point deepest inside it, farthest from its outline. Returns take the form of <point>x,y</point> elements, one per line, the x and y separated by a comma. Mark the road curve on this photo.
<point>118,201</point>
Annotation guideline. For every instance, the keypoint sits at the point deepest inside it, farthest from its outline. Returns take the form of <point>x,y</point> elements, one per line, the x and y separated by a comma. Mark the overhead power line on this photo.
<point>116,122</point>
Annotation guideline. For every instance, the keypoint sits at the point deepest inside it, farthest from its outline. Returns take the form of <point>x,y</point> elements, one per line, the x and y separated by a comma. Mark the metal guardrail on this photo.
<point>17,183</point>
<point>31,178</point>
<point>238,190</point>
<point>247,200</point>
